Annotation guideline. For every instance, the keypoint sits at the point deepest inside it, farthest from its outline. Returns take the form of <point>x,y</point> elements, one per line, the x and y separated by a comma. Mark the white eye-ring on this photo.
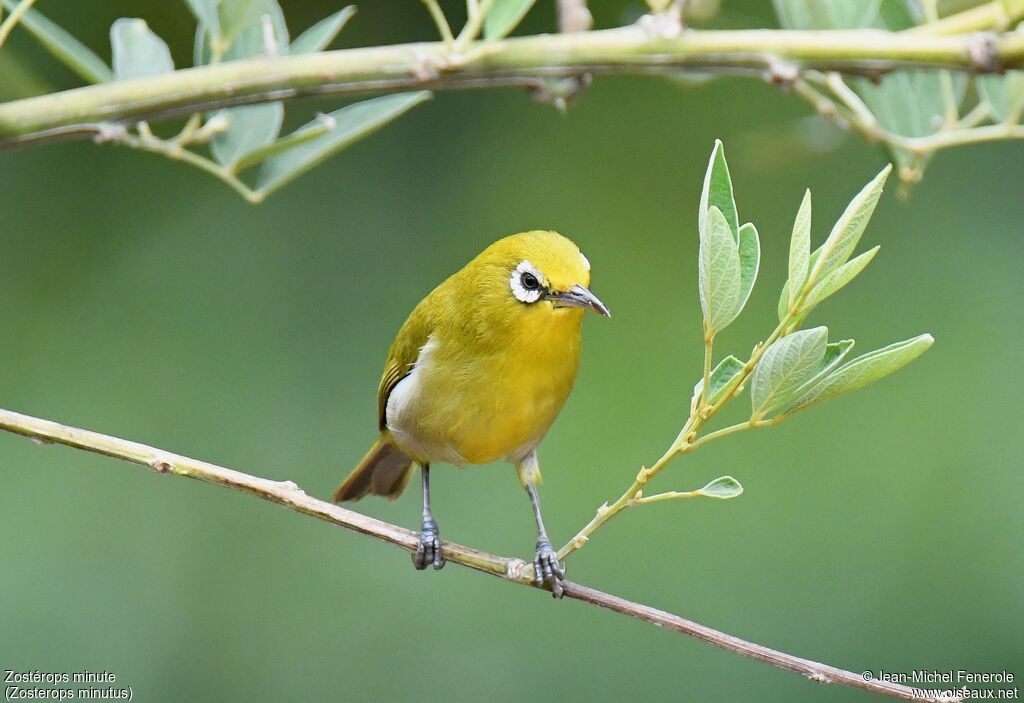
<point>525,282</point>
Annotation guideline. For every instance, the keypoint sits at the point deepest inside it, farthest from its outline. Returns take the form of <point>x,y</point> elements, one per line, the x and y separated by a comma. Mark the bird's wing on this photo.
<point>402,356</point>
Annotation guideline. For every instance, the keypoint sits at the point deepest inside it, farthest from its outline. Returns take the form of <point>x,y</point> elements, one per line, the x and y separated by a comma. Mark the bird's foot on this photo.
<point>546,568</point>
<point>428,551</point>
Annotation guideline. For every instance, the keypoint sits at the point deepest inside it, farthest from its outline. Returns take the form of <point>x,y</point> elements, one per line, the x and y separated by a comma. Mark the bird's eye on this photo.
<point>525,283</point>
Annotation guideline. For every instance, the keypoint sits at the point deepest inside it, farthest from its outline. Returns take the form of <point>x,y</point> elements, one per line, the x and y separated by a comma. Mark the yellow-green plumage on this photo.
<point>476,374</point>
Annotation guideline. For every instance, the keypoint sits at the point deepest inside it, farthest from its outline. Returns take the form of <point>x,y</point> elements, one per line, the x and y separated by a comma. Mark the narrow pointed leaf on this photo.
<point>250,127</point>
<point>200,48</point>
<point>783,306</point>
<point>718,270</point>
<point>849,227</point>
<point>799,250</point>
<point>865,369</point>
<point>352,123</point>
<point>322,125</point>
<point>721,376</point>
<point>136,51</point>
<point>835,352</point>
<point>321,34</point>
<point>68,50</point>
<point>505,16</point>
<point>750,261</point>
<point>784,296</point>
<point>717,192</point>
<point>723,488</point>
<point>785,365</point>
<point>840,277</point>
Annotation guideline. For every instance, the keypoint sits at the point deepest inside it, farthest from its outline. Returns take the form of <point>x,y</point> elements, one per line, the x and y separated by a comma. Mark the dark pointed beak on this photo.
<point>579,297</point>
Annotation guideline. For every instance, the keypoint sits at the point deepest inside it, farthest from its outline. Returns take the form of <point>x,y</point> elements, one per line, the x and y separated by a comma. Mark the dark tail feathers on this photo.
<point>384,471</point>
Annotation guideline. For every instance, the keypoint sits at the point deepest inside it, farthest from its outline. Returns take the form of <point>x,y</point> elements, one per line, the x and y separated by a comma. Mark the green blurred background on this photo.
<point>145,300</point>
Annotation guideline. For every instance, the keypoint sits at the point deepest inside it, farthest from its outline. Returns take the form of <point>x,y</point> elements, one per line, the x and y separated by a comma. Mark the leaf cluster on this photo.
<point>905,110</point>
<point>795,368</point>
<point>239,138</point>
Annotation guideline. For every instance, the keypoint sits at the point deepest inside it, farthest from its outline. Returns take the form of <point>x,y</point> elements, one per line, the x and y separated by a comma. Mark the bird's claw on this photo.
<point>428,551</point>
<point>546,568</point>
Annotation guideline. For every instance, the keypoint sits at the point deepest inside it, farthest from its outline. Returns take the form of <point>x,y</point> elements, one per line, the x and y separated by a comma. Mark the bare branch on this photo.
<point>291,496</point>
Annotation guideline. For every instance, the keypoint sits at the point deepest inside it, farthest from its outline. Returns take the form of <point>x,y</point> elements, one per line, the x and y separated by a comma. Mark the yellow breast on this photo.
<point>477,397</point>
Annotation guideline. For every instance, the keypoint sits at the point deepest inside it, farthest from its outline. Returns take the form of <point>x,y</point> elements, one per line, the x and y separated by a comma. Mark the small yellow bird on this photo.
<point>478,372</point>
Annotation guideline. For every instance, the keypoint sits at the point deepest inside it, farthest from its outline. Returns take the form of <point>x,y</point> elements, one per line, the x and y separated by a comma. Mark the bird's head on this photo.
<point>538,271</point>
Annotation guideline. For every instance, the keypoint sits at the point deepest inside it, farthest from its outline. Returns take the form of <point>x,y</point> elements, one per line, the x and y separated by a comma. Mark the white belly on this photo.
<point>408,402</point>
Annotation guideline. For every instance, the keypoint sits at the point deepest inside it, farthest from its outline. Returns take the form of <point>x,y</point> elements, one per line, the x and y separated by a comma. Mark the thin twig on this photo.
<point>172,150</point>
<point>987,16</point>
<point>12,19</point>
<point>291,496</point>
<point>440,21</point>
<point>944,140</point>
<point>687,440</point>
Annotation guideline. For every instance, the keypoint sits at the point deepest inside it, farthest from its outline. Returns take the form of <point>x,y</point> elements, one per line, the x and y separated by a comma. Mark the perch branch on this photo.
<point>524,61</point>
<point>291,496</point>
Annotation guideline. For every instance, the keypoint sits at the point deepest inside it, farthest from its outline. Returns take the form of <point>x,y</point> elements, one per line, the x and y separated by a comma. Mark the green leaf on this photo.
<point>251,39</point>
<point>136,51</point>
<point>723,487</point>
<point>250,127</point>
<point>799,250</point>
<point>241,17</point>
<point>239,33</point>
<point>899,15</point>
<point>320,126</point>
<point>1005,94</point>
<point>849,228</point>
<point>826,14</point>
<point>718,269</point>
<point>717,192</point>
<point>839,278</point>
<point>504,16</point>
<point>205,12</point>
<point>784,297</point>
<point>68,50</point>
<point>750,261</point>
<point>721,376</point>
<point>785,365</point>
<point>352,123</point>
<point>909,103</point>
<point>835,352</point>
<point>321,34</point>
<point>865,369</point>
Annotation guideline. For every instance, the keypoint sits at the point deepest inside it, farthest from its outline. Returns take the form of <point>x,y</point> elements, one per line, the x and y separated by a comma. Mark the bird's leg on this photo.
<point>545,560</point>
<point>428,551</point>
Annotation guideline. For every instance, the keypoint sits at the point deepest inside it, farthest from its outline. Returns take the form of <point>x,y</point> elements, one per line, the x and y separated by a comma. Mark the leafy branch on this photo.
<point>912,114</point>
<point>791,369</point>
<point>291,496</point>
<point>897,77</point>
